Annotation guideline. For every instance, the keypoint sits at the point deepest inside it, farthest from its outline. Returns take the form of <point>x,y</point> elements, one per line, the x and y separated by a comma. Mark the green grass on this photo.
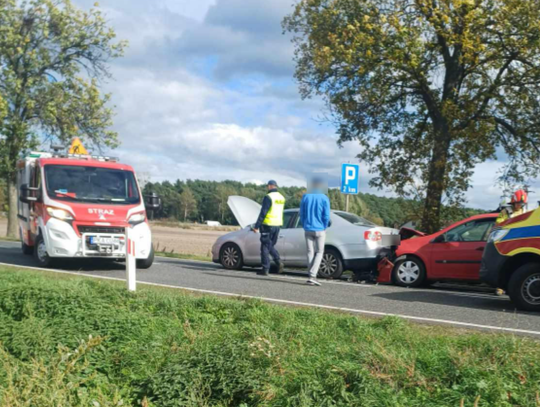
<point>9,239</point>
<point>73,341</point>
<point>184,256</point>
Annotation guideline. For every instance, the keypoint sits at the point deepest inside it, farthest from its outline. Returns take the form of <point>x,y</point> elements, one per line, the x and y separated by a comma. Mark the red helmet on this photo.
<point>520,196</point>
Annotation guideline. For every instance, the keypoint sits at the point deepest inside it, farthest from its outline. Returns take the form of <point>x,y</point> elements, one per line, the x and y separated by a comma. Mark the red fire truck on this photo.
<point>80,206</point>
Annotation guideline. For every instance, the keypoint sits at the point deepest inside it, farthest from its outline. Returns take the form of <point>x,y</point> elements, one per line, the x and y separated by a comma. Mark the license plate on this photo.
<point>109,241</point>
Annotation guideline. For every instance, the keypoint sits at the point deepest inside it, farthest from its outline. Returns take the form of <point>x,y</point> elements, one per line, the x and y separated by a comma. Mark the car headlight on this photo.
<point>137,218</point>
<point>60,214</point>
<point>497,235</point>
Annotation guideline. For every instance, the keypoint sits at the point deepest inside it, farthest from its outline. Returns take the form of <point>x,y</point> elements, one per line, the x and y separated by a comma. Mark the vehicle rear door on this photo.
<point>457,254</point>
<point>292,241</point>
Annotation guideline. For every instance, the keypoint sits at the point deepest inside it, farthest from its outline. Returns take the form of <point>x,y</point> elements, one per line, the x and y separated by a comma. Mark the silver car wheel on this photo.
<point>329,265</point>
<point>42,251</point>
<point>531,289</point>
<point>408,272</point>
<point>230,256</point>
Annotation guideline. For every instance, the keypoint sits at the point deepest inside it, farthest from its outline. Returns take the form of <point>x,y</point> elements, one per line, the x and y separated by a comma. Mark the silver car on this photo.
<point>352,243</point>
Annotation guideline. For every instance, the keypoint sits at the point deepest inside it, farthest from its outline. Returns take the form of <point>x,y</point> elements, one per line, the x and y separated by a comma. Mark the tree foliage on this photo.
<point>210,196</point>
<point>52,57</point>
<point>188,203</point>
<point>429,88</point>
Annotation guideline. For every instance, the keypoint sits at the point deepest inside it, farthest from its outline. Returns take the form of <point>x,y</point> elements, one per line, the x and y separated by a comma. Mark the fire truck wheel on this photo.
<point>40,253</point>
<point>28,250</point>
<point>146,263</point>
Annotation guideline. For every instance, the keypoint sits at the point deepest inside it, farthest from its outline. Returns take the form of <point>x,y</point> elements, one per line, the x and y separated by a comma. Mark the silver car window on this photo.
<point>354,219</point>
<point>288,218</point>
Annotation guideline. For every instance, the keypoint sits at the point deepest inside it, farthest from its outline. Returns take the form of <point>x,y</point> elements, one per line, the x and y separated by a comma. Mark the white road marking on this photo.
<point>335,282</point>
<point>297,303</point>
<point>391,288</point>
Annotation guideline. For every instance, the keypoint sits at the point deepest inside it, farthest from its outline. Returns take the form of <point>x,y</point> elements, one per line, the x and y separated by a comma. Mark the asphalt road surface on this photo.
<point>464,307</point>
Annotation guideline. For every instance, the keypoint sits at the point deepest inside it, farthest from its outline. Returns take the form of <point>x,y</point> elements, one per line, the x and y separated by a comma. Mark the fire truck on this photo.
<point>81,206</point>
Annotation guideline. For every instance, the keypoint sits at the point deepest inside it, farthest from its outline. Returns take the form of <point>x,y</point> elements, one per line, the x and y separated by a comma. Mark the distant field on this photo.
<point>72,341</point>
<point>194,226</point>
<point>197,241</point>
<point>189,239</point>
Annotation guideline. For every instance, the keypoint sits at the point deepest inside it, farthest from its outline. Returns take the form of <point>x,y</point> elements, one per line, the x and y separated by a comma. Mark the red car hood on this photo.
<point>408,233</point>
<point>413,244</point>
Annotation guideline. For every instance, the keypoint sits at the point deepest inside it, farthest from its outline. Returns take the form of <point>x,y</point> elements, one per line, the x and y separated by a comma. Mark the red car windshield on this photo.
<point>91,184</point>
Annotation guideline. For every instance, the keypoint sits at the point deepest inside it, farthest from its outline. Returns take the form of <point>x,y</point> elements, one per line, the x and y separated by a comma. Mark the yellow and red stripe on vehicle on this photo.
<point>523,235</point>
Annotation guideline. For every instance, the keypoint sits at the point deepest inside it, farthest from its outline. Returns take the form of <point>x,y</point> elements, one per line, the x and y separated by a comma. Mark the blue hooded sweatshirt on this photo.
<point>315,212</point>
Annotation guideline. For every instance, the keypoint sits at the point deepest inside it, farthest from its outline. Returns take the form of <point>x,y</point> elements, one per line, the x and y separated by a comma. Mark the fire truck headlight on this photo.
<point>137,218</point>
<point>59,213</point>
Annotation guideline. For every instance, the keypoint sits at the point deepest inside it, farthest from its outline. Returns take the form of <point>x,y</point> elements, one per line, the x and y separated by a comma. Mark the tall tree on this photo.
<point>223,191</point>
<point>429,88</point>
<point>52,57</point>
<point>188,203</point>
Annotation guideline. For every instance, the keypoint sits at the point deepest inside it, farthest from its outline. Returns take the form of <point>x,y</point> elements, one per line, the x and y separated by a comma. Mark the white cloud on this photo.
<point>245,36</point>
<point>205,91</point>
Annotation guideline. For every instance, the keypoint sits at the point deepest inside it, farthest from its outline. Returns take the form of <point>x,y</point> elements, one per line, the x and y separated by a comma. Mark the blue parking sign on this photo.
<point>350,178</point>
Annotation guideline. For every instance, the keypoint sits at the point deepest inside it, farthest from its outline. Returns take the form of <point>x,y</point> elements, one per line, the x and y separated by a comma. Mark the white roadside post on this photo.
<point>131,263</point>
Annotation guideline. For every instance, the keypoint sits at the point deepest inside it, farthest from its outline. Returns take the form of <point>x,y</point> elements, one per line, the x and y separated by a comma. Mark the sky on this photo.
<point>206,91</point>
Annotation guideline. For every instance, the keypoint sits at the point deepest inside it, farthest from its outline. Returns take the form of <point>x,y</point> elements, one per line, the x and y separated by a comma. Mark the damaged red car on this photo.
<point>454,253</point>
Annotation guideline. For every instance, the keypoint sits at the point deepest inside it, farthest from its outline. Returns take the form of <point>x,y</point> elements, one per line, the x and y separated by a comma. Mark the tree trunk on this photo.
<point>431,221</point>
<point>13,223</point>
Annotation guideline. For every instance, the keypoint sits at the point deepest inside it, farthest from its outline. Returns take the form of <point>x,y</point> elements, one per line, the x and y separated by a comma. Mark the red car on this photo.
<point>454,253</point>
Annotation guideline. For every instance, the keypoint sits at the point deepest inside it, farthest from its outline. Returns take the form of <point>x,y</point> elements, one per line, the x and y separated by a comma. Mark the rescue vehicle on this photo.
<point>80,206</point>
<point>511,260</point>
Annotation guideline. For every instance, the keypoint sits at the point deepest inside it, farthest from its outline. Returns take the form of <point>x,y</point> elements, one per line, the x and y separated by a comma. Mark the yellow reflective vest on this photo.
<point>274,217</point>
<point>505,215</point>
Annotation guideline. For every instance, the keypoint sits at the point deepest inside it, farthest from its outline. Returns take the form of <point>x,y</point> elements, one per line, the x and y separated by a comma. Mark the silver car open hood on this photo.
<point>244,210</point>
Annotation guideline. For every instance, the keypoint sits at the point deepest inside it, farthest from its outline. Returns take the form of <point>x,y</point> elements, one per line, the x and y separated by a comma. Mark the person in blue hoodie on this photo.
<point>315,218</point>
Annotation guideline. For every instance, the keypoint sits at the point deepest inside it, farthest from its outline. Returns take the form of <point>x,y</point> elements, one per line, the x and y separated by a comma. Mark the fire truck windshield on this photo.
<point>91,184</point>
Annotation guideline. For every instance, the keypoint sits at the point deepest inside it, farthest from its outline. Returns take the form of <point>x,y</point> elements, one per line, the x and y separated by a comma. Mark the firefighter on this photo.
<point>269,224</point>
<point>517,207</point>
<point>517,204</point>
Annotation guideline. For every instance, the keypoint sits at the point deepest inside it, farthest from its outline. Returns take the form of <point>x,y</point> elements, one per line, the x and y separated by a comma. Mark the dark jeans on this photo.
<point>269,238</point>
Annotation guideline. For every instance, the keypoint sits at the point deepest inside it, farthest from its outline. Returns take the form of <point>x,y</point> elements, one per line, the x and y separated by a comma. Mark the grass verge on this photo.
<point>9,239</point>
<point>71,341</point>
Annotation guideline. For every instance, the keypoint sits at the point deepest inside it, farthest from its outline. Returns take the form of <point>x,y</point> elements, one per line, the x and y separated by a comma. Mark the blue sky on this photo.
<point>206,91</point>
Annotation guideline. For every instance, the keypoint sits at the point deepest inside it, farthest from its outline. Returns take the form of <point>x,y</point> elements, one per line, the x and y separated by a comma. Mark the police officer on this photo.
<point>269,224</point>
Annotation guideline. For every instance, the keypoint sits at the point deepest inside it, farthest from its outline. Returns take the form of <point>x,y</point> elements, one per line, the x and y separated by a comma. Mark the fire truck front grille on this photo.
<point>100,229</point>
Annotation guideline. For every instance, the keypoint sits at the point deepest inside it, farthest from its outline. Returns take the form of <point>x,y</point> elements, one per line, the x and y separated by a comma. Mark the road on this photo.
<point>463,307</point>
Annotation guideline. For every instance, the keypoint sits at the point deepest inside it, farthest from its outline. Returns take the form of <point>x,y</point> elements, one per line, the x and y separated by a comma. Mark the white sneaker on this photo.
<point>313,282</point>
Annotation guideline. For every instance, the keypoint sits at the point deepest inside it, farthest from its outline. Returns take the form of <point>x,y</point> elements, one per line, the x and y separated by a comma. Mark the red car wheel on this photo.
<point>409,272</point>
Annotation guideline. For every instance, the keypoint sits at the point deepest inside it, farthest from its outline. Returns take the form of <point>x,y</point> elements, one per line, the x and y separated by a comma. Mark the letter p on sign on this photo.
<point>350,178</point>
<point>350,174</point>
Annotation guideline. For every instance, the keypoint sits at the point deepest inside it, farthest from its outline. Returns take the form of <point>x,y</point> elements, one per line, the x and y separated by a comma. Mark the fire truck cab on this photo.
<point>80,206</point>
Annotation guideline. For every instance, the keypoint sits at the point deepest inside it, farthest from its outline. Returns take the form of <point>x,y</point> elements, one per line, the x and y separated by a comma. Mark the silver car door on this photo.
<point>294,243</point>
<point>252,248</point>
<point>252,242</point>
<point>289,217</point>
